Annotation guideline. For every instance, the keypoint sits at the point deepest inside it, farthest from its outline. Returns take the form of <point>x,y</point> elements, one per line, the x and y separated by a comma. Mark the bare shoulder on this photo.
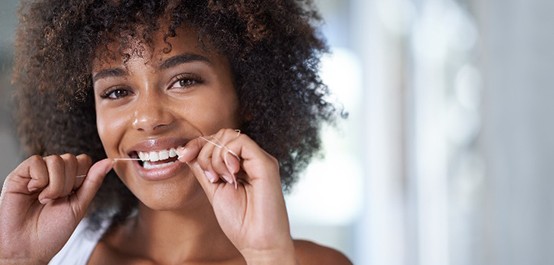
<point>312,253</point>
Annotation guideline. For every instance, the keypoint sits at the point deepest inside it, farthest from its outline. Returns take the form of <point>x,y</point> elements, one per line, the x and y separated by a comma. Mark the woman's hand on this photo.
<point>42,202</point>
<point>243,184</point>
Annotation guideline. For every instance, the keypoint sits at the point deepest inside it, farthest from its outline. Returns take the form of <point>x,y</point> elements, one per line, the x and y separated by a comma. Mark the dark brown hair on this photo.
<point>273,49</point>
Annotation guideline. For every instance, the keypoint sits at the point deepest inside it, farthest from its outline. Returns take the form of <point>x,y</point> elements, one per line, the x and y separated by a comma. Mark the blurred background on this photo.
<point>446,157</point>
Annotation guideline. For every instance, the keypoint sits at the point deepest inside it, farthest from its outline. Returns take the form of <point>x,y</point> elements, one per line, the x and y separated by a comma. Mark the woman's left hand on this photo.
<point>243,184</point>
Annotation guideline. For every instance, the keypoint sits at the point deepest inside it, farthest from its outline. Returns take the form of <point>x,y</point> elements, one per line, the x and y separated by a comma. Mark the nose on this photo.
<point>150,115</point>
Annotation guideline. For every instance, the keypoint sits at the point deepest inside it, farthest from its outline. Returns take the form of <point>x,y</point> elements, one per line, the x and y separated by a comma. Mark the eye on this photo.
<point>186,81</point>
<point>115,93</point>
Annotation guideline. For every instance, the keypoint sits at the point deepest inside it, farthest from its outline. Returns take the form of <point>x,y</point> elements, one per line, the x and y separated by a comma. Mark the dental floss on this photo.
<point>202,137</point>
<point>221,146</point>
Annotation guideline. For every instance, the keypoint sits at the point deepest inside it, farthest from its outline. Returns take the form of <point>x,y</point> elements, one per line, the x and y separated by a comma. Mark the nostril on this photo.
<point>152,122</point>
<point>151,114</point>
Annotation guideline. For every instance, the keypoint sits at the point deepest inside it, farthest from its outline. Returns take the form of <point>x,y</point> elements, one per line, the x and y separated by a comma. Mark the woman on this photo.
<point>169,126</point>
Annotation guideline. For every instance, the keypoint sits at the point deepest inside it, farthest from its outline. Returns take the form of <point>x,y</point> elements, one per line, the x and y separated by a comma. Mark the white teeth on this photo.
<point>148,165</point>
<point>164,155</point>
<point>143,156</point>
<point>155,156</point>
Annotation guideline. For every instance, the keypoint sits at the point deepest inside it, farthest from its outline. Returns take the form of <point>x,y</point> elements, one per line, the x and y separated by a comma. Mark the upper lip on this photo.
<point>157,145</point>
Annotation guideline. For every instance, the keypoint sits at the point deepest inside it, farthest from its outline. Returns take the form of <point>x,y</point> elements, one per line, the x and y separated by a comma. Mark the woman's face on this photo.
<point>155,102</point>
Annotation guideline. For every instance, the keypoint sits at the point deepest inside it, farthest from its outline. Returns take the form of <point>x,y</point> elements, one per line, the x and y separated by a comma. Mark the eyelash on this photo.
<point>190,80</point>
<point>110,93</point>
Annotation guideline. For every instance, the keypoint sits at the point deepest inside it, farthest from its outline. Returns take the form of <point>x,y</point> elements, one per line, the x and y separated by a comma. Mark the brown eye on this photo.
<point>115,93</point>
<point>186,81</point>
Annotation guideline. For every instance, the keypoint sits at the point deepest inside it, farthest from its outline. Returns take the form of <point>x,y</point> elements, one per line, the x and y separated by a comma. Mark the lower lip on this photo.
<point>161,173</point>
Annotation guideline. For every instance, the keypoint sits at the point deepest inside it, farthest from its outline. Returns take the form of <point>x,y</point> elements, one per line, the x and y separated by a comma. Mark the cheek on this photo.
<point>220,111</point>
<point>110,130</point>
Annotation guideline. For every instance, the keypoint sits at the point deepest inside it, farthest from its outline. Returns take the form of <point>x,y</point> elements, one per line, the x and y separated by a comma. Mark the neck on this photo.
<point>171,237</point>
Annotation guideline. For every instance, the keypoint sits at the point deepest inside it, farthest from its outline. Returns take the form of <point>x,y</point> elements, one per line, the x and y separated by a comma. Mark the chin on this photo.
<point>170,197</point>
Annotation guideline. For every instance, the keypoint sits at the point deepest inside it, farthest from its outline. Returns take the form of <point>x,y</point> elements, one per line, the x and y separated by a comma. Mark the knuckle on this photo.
<point>229,131</point>
<point>218,133</point>
<point>85,159</point>
<point>203,161</point>
<point>69,157</point>
<point>219,166</point>
<point>53,159</point>
<point>273,161</point>
<point>35,160</point>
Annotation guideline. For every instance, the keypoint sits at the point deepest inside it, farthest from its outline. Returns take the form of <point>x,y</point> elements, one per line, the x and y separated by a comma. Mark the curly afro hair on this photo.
<point>273,47</point>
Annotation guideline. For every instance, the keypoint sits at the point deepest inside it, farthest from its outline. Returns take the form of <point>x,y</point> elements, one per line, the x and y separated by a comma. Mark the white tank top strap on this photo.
<point>79,247</point>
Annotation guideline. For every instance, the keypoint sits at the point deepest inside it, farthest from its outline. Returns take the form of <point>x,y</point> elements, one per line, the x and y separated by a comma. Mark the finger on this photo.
<point>205,155</point>
<point>70,165</point>
<point>37,172</point>
<point>232,162</point>
<point>56,179</point>
<point>204,160</point>
<point>190,151</point>
<point>94,178</point>
<point>253,159</point>
<point>84,162</point>
<point>219,159</point>
<point>29,176</point>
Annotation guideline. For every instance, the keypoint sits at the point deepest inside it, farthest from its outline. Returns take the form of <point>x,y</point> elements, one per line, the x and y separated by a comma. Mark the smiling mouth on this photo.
<point>155,159</point>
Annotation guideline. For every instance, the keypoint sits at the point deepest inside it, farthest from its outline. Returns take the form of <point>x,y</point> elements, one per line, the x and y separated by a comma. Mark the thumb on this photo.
<point>92,182</point>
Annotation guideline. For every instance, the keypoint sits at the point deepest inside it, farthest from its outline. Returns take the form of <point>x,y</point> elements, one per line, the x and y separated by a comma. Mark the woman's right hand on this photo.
<point>41,203</point>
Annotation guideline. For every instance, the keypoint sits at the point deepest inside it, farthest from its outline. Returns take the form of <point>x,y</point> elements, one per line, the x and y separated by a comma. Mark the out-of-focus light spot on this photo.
<point>331,191</point>
<point>396,16</point>
<point>468,87</point>
<point>462,125</point>
<point>342,73</point>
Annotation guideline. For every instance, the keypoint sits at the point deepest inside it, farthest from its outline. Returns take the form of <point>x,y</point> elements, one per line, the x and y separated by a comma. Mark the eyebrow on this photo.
<point>183,58</point>
<point>168,63</point>
<point>110,72</point>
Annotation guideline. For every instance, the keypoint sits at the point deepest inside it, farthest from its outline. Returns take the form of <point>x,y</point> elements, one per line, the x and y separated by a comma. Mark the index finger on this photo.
<point>84,162</point>
<point>29,176</point>
<point>190,151</point>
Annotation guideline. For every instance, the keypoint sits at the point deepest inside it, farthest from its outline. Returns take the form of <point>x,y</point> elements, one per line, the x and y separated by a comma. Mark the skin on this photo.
<point>218,204</point>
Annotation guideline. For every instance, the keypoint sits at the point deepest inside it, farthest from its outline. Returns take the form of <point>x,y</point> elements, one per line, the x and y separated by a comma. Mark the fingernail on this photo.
<point>211,177</point>
<point>33,189</point>
<point>228,179</point>
<point>229,166</point>
<point>226,162</point>
<point>180,152</point>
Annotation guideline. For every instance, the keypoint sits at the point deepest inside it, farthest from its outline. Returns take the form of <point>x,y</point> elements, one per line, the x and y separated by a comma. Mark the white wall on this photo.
<point>517,213</point>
